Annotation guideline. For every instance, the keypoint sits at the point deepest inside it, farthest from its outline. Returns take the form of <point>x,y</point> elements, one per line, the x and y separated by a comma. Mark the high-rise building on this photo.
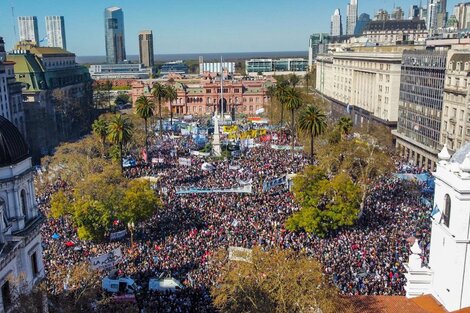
<point>317,44</point>
<point>55,29</point>
<point>351,17</point>
<point>146,48</point>
<point>462,14</point>
<point>382,15</point>
<point>398,14</point>
<point>28,27</point>
<point>437,15</point>
<point>414,12</point>
<point>420,106</point>
<point>336,24</point>
<point>114,35</point>
<point>362,22</point>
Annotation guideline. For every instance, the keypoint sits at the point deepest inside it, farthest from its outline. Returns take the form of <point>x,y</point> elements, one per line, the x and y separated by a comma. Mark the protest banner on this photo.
<point>117,235</point>
<point>184,161</point>
<point>106,261</point>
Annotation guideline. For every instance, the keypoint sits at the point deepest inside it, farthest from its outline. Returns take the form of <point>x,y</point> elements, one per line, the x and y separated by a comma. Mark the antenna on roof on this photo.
<point>14,20</point>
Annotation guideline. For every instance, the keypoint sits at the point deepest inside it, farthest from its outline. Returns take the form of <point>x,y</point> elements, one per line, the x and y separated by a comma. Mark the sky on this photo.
<point>192,26</point>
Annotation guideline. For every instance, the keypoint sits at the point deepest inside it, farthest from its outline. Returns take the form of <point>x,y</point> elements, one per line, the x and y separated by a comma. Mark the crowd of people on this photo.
<point>180,240</point>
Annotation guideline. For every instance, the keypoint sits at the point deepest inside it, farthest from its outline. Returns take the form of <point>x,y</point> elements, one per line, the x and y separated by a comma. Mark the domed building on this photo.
<point>21,264</point>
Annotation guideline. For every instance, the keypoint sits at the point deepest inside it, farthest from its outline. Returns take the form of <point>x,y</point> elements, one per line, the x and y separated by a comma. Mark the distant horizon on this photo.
<point>208,56</point>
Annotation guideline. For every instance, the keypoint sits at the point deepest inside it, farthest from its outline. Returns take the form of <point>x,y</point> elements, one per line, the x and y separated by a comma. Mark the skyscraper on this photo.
<point>114,35</point>
<point>362,22</point>
<point>146,48</point>
<point>397,14</point>
<point>28,27</point>
<point>414,12</point>
<point>437,15</point>
<point>55,29</point>
<point>351,17</point>
<point>336,24</point>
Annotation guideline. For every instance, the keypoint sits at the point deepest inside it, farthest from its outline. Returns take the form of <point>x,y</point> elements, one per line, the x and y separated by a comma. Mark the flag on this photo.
<point>348,108</point>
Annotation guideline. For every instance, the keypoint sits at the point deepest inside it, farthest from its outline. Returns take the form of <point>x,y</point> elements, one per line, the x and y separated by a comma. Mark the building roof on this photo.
<point>393,25</point>
<point>13,147</point>
<point>398,304</point>
<point>460,57</point>
<point>50,51</point>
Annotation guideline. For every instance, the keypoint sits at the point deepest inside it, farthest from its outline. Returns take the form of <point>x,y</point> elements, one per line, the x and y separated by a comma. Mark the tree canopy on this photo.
<point>280,281</point>
<point>327,203</point>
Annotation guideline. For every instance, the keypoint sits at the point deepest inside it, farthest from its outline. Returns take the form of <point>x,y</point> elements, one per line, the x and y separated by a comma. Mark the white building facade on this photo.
<point>55,29</point>
<point>21,264</point>
<point>448,276</point>
<point>368,81</point>
<point>28,28</point>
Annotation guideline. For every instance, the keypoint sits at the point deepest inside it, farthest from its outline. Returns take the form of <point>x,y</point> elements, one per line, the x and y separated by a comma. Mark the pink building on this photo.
<point>201,97</point>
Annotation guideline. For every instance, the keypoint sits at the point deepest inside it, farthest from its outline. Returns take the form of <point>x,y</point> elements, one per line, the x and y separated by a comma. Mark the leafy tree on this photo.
<point>101,198</point>
<point>122,98</point>
<point>345,125</point>
<point>293,101</point>
<point>119,133</point>
<point>139,201</point>
<point>171,95</point>
<point>326,204</point>
<point>100,129</point>
<point>312,121</point>
<point>280,281</point>
<point>144,109</point>
<point>307,78</point>
<point>108,86</point>
<point>159,93</point>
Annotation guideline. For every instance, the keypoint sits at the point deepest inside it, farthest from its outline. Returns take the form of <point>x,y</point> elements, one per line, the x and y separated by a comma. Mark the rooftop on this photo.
<point>415,24</point>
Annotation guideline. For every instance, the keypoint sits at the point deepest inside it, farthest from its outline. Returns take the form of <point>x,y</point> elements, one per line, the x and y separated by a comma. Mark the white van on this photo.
<point>119,285</point>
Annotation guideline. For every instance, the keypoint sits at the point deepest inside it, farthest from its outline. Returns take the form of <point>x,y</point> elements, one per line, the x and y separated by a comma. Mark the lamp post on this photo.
<point>131,227</point>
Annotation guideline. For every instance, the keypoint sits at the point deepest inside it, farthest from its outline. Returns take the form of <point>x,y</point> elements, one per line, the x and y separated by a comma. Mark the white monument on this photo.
<point>449,262</point>
<point>216,150</point>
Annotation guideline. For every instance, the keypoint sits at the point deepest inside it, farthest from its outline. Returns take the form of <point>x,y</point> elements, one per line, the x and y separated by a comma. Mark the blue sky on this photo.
<point>192,26</point>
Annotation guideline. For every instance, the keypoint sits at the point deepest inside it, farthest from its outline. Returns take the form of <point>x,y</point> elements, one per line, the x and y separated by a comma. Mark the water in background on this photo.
<point>208,57</point>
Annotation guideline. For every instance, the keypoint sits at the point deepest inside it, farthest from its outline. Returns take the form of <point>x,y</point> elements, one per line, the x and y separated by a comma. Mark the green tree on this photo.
<point>119,133</point>
<point>108,86</point>
<point>100,129</point>
<point>139,201</point>
<point>307,78</point>
<point>122,98</point>
<point>293,101</point>
<point>171,95</point>
<point>144,109</point>
<point>312,121</point>
<point>326,204</point>
<point>276,281</point>
<point>159,93</point>
<point>345,125</point>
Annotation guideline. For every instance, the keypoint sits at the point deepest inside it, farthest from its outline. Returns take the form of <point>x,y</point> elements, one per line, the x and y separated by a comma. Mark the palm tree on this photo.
<point>159,93</point>
<point>345,125</point>
<point>313,121</point>
<point>294,101</point>
<point>293,80</point>
<point>171,95</point>
<point>281,90</point>
<point>144,109</point>
<point>307,79</point>
<point>100,128</point>
<point>120,132</point>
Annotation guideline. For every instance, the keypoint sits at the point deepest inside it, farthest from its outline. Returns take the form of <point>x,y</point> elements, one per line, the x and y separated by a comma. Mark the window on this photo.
<point>6,296</point>
<point>24,207</point>
<point>34,264</point>
<point>446,215</point>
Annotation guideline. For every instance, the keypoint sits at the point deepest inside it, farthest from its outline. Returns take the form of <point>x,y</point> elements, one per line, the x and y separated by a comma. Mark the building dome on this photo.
<point>13,147</point>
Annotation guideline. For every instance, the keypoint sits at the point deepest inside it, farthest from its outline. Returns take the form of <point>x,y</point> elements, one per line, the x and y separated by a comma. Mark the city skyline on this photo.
<point>194,30</point>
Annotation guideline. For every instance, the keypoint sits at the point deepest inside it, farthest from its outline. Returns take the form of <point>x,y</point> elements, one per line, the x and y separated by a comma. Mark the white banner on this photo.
<point>106,261</point>
<point>117,235</point>
<point>157,160</point>
<point>278,147</point>
<point>198,153</point>
<point>187,190</point>
<point>184,161</point>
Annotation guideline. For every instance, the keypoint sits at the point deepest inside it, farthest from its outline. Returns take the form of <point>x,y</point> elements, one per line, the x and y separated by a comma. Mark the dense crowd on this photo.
<point>180,239</point>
